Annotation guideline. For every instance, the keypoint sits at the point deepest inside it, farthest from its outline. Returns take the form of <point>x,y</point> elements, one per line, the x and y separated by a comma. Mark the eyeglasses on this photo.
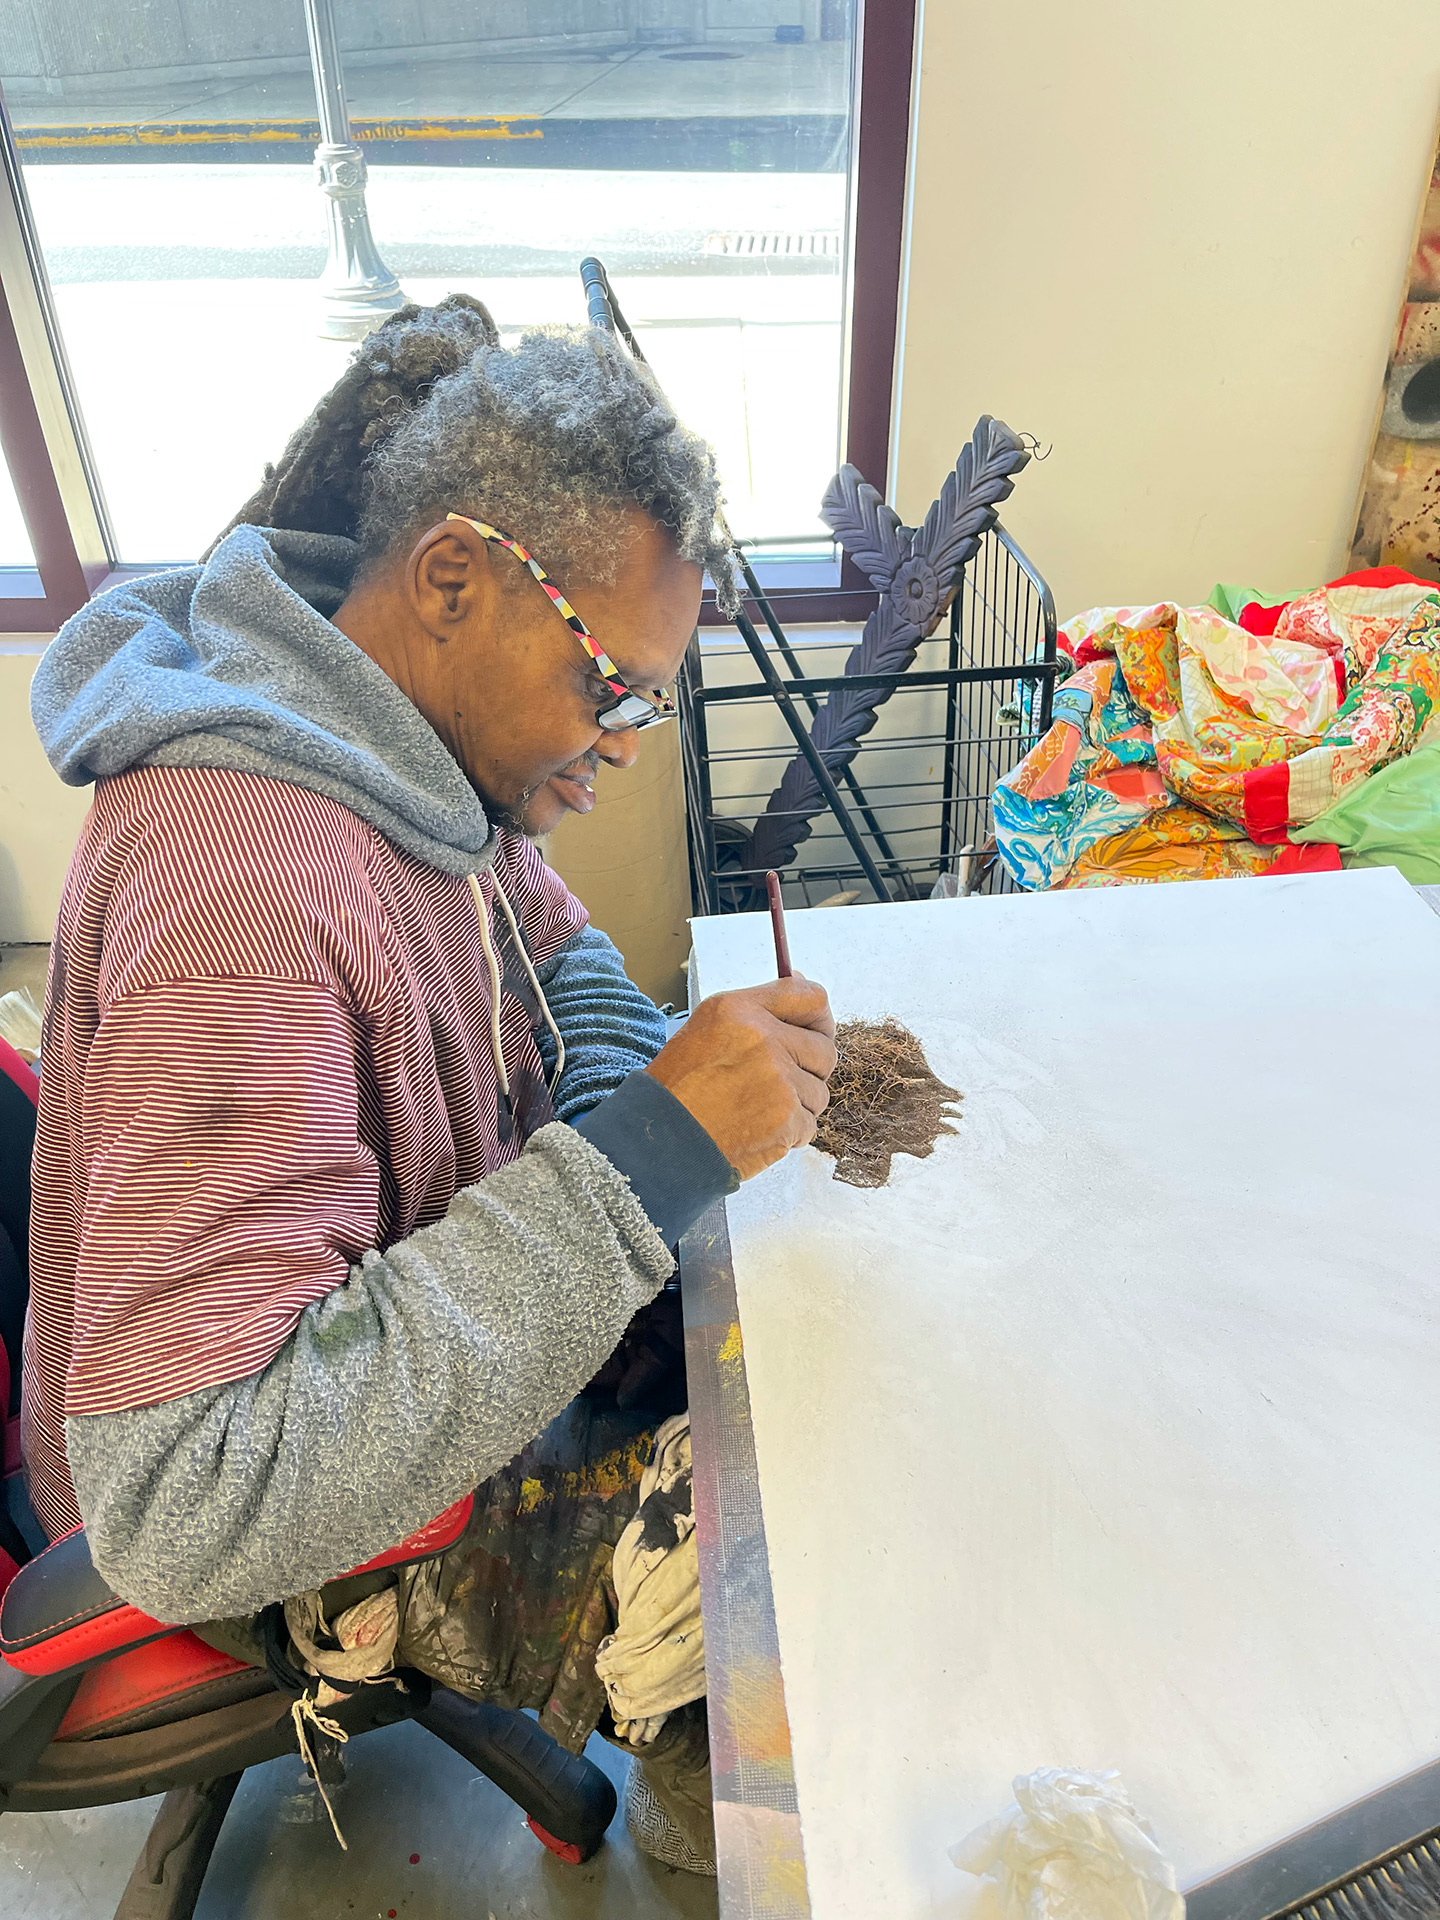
<point>629,708</point>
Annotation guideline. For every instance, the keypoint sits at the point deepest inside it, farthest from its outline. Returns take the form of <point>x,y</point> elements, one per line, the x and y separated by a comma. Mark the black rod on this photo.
<point>947,807</point>
<point>787,654</point>
<point>937,677</point>
<point>781,695</point>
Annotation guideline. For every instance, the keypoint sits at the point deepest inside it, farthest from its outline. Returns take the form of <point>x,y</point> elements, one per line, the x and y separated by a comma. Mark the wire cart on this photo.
<point>975,701</point>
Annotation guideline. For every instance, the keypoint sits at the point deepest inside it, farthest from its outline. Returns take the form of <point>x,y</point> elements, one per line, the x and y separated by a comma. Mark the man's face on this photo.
<point>512,690</point>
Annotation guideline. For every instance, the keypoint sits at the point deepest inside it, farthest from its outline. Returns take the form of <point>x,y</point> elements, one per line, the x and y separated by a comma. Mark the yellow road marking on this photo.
<point>197,133</point>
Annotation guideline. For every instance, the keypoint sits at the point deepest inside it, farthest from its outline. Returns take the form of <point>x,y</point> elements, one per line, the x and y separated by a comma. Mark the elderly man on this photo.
<point>357,1152</point>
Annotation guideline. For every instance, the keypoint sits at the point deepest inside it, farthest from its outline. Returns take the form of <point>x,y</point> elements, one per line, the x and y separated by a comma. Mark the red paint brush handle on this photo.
<point>777,922</point>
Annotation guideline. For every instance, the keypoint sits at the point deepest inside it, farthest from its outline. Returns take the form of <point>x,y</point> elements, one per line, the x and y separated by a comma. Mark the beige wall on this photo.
<point>1171,240</point>
<point>39,816</point>
<point>627,863</point>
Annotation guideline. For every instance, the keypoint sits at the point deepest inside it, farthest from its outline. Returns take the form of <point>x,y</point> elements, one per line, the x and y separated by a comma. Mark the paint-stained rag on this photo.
<point>654,1662</point>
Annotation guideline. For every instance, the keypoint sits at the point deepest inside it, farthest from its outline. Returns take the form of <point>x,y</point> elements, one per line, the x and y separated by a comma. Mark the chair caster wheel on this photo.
<point>565,1850</point>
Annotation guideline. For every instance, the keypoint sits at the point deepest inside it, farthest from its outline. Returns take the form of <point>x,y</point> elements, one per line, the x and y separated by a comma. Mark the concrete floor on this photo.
<point>428,1839</point>
<point>22,967</point>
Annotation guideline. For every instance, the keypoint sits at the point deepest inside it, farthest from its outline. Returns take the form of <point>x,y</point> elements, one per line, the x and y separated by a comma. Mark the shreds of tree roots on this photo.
<point>884,1100</point>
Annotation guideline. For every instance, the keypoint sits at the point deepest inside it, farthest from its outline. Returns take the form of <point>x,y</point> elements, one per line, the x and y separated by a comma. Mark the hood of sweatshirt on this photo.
<point>234,663</point>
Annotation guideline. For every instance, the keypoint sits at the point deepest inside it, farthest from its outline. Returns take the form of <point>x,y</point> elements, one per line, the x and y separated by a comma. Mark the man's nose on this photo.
<point>620,750</point>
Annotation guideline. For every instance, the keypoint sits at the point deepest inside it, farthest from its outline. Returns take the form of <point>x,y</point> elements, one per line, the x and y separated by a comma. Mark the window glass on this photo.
<point>699,147</point>
<point>15,548</point>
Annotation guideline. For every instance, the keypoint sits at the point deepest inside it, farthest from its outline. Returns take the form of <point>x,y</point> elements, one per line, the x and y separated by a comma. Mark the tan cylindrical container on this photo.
<point>626,861</point>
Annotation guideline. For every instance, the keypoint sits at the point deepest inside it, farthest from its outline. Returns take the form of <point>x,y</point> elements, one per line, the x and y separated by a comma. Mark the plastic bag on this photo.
<point>1072,1847</point>
<point>20,1023</point>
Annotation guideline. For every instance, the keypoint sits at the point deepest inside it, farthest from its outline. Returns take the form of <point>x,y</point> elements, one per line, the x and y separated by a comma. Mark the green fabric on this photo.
<point>1390,820</point>
<point>1230,601</point>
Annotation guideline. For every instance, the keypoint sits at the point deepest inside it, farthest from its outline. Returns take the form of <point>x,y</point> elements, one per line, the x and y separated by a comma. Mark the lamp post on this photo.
<point>357,289</point>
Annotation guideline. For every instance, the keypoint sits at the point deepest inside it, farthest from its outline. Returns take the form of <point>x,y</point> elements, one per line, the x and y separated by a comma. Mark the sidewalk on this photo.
<point>756,106</point>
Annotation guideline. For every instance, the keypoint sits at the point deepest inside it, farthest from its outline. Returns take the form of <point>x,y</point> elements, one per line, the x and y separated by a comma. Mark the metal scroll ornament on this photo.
<point>916,571</point>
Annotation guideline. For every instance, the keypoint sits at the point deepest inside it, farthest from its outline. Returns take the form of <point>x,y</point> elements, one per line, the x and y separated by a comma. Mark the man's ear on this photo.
<point>450,579</point>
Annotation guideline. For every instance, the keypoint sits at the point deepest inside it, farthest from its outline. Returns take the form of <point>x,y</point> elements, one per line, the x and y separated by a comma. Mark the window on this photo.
<point>171,239</point>
<point>16,551</point>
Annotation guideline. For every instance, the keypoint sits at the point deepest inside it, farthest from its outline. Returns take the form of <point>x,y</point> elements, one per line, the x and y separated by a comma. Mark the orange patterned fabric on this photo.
<point>1187,746</point>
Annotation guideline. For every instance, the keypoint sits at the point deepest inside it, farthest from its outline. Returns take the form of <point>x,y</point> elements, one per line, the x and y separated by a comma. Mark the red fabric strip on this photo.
<point>1321,858</point>
<point>1263,620</point>
<point>1267,803</point>
<point>1383,577</point>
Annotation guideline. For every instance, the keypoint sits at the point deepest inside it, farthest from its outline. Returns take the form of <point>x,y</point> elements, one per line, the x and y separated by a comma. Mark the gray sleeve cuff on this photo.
<point>674,1168</point>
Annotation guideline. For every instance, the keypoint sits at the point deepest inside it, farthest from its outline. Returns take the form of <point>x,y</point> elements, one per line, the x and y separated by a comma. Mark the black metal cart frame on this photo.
<point>1002,633</point>
<point>1000,665</point>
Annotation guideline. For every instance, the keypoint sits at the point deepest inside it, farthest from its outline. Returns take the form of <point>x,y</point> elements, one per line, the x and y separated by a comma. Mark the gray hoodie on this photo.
<point>443,1356</point>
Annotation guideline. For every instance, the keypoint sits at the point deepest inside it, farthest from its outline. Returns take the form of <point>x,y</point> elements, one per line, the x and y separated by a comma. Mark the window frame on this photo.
<point>42,433</point>
<point>880,158</point>
<point>53,471</point>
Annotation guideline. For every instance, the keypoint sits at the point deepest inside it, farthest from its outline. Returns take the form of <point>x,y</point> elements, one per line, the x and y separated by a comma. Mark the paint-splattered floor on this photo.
<point>429,1839</point>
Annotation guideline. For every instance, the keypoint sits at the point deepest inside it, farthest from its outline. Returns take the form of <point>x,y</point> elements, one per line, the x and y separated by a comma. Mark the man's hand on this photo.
<point>751,1067</point>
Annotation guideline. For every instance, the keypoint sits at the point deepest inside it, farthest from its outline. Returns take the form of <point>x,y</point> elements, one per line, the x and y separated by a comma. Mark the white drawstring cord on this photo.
<point>496,1050</point>
<point>534,979</point>
<point>483,914</point>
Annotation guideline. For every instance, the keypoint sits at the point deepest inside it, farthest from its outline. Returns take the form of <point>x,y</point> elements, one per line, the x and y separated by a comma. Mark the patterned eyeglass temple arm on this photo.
<point>656,698</point>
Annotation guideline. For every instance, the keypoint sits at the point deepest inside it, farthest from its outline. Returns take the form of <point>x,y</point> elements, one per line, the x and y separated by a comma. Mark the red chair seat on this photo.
<point>140,1688</point>
<point>180,1675</point>
<point>58,1615</point>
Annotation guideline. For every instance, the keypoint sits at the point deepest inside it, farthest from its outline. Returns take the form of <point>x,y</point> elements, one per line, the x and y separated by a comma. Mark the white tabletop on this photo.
<point>1108,1436</point>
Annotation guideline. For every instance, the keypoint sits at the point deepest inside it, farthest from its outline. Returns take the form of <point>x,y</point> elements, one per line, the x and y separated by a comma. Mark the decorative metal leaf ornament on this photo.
<point>917,571</point>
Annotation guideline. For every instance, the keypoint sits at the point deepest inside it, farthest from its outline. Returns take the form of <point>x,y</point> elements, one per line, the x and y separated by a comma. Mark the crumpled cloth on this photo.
<point>357,1645</point>
<point>1188,746</point>
<point>654,1662</point>
<point>1071,1847</point>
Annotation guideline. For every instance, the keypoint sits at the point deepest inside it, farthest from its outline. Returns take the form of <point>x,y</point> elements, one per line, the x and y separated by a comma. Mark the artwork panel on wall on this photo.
<point>1399,519</point>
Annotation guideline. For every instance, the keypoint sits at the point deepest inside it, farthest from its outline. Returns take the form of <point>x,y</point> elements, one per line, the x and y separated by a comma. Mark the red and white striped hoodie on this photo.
<point>268,1071</point>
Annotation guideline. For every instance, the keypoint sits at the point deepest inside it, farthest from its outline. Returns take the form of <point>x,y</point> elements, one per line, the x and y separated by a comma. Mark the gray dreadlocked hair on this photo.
<point>549,440</point>
<point>546,440</point>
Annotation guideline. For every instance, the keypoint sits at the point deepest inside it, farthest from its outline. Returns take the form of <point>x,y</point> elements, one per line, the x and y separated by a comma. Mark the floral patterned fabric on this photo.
<point>1187,747</point>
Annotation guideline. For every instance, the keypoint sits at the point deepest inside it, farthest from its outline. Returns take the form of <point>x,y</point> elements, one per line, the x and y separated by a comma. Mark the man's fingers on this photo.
<point>824,1021</point>
<point>814,1094</point>
<point>797,1001</point>
<point>812,1052</point>
<point>751,1066</point>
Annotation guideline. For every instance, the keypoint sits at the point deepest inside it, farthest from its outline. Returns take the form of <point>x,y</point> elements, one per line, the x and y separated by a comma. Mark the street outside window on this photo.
<point>701,148</point>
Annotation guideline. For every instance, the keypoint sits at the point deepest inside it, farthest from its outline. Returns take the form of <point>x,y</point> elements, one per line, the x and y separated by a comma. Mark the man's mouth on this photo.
<point>576,787</point>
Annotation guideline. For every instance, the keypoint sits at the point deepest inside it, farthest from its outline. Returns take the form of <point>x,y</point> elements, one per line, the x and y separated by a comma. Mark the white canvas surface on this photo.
<point>1109,1436</point>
